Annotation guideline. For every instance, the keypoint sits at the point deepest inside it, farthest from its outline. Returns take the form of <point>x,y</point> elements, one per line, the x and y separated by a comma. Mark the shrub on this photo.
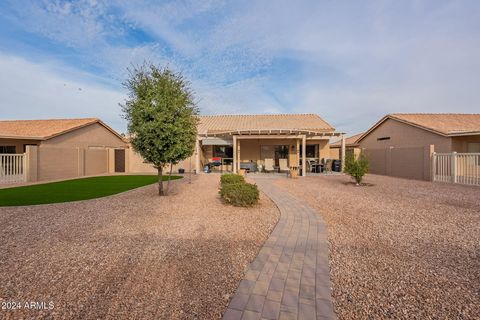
<point>356,167</point>
<point>240,194</point>
<point>230,178</point>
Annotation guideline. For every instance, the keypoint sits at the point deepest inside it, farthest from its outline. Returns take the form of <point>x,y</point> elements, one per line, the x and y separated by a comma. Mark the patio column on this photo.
<point>298,154</point>
<point>197,156</point>
<point>234,154</point>
<point>343,152</point>
<point>304,155</point>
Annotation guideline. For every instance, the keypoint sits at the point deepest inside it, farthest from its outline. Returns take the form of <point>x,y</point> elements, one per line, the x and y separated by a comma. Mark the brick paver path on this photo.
<point>289,279</point>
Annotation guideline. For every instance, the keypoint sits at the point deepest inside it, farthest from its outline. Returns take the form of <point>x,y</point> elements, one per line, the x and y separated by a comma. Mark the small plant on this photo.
<point>356,167</point>
<point>240,194</point>
<point>230,178</point>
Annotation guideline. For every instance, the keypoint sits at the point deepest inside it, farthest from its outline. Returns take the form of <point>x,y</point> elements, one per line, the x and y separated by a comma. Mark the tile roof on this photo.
<point>225,123</point>
<point>443,123</point>
<point>349,141</point>
<point>43,129</point>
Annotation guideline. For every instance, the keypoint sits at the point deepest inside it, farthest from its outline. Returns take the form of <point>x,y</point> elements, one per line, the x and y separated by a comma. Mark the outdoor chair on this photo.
<point>269,165</point>
<point>328,166</point>
<point>283,163</point>
<point>260,165</point>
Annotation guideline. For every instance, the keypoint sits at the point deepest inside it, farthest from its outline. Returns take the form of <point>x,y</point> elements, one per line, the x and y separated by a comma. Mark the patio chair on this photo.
<point>328,165</point>
<point>269,165</point>
<point>283,163</point>
<point>260,165</point>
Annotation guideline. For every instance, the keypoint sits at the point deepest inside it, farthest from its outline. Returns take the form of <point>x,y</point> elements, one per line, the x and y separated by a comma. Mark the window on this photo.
<point>383,138</point>
<point>8,149</point>
<point>310,150</point>
<point>223,151</point>
<point>473,147</point>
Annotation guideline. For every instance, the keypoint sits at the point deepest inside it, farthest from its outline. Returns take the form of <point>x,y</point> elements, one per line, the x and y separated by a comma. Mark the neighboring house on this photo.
<point>64,148</point>
<point>254,141</point>
<point>402,144</point>
<point>351,146</point>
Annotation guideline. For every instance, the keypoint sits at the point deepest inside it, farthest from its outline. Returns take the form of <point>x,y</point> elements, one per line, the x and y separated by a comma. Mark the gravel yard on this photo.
<point>131,256</point>
<point>400,248</point>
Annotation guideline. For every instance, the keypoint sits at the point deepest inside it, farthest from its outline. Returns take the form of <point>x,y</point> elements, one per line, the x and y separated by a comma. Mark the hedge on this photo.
<point>240,194</point>
<point>230,178</point>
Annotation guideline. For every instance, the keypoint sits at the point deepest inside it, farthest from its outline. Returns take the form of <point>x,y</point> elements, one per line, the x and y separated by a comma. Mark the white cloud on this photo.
<point>36,91</point>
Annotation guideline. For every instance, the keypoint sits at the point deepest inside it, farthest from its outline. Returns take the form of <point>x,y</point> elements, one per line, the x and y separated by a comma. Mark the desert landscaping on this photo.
<point>398,248</point>
<point>132,255</point>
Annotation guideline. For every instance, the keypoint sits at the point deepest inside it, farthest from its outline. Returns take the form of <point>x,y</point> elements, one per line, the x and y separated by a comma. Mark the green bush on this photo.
<point>240,194</point>
<point>356,167</point>
<point>230,178</point>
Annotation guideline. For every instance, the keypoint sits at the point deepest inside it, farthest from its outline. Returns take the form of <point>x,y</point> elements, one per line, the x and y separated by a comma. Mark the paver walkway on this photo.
<point>289,279</point>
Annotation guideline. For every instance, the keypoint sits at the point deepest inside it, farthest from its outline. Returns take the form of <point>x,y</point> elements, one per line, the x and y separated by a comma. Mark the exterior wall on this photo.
<point>459,144</point>
<point>136,164</point>
<point>96,161</point>
<point>18,143</point>
<point>407,154</point>
<point>57,163</point>
<point>404,136</point>
<point>94,135</point>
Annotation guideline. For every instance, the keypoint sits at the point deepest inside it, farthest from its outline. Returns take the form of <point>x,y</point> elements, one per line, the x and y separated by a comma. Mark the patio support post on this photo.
<point>304,155</point>
<point>298,154</point>
<point>343,152</point>
<point>234,154</point>
<point>197,156</point>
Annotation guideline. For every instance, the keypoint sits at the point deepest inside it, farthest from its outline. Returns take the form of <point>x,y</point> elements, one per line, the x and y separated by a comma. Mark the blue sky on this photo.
<point>349,61</point>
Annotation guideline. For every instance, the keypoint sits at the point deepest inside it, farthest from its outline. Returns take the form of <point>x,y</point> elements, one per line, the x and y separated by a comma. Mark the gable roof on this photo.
<point>45,129</point>
<point>444,124</point>
<point>349,141</point>
<point>265,122</point>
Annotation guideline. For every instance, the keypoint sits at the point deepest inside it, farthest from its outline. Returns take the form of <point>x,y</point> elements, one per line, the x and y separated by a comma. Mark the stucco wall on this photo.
<point>404,136</point>
<point>94,135</point>
<point>57,163</point>
<point>96,161</point>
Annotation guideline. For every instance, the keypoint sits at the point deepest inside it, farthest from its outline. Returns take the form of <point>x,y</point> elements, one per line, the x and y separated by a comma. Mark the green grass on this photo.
<point>73,190</point>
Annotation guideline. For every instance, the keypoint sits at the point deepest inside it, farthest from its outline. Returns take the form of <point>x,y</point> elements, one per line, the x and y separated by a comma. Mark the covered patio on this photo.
<point>265,150</point>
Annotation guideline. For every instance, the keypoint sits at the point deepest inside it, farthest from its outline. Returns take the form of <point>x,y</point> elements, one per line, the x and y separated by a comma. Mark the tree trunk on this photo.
<point>169,177</point>
<point>160,181</point>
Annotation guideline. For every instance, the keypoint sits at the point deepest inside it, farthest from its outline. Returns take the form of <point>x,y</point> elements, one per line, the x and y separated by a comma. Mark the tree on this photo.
<point>162,117</point>
<point>356,167</point>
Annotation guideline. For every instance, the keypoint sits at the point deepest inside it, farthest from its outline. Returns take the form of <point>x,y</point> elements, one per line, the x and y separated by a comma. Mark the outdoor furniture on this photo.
<point>269,165</point>
<point>249,166</point>
<point>283,165</point>
<point>260,165</point>
<point>328,166</point>
<point>317,168</point>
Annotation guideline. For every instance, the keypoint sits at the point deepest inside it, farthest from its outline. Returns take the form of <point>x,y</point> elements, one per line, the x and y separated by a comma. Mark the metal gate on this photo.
<point>119,160</point>
<point>463,168</point>
<point>12,168</point>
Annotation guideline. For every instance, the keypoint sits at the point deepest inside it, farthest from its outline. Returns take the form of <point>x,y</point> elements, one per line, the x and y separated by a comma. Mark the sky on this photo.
<point>351,62</point>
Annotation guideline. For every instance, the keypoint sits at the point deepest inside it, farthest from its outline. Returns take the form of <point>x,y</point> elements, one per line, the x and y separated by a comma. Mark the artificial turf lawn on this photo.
<point>73,190</point>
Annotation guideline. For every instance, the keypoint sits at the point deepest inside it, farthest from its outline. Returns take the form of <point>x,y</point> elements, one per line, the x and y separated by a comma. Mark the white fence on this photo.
<point>463,168</point>
<point>12,168</point>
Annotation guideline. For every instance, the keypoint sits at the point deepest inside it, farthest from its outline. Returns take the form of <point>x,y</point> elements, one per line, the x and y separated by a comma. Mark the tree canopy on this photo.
<point>162,116</point>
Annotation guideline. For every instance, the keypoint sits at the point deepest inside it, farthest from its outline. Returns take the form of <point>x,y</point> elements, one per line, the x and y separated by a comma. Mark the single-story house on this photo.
<point>402,144</point>
<point>63,148</point>
<point>262,141</point>
<point>351,146</point>
<point>66,148</point>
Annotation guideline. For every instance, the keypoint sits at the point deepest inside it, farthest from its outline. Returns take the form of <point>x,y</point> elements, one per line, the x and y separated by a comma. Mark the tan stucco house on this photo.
<point>402,144</point>
<point>64,148</point>
<point>262,141</point>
